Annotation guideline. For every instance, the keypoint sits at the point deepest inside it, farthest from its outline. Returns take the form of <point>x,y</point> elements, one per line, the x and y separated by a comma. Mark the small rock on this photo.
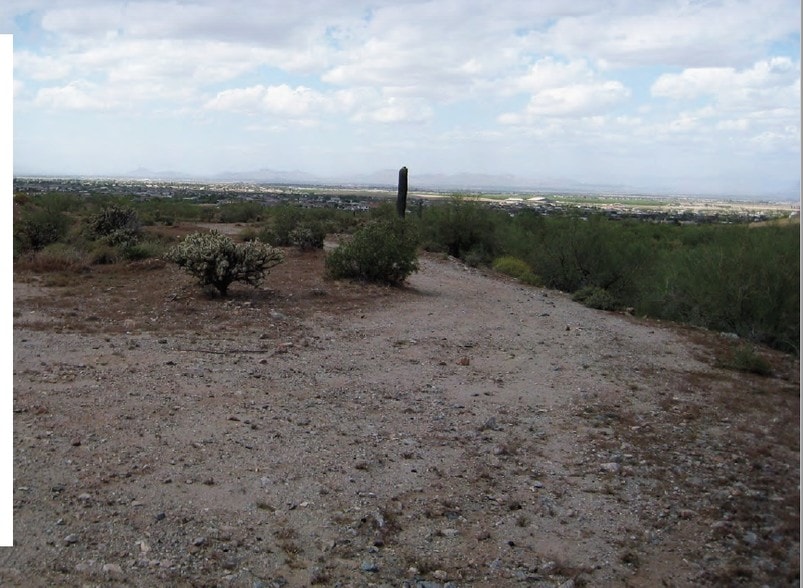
<point>440,575</point>
<point>71,538</point>
<point>75,442</point>
<point>160,516</point>
<point>113,570</point>
<point>199,541</point>
<point>686,513</point>
<point>750,538</point>
<point>369,566</point>
<point>611,467</point>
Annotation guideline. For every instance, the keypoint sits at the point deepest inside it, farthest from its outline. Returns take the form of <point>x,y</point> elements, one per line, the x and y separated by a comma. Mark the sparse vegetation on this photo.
<point>745,358</point>
<point>736,278</point>
<point>215,260</point>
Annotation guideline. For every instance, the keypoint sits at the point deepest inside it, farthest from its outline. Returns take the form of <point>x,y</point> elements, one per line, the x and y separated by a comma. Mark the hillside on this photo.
<point>465,430</point>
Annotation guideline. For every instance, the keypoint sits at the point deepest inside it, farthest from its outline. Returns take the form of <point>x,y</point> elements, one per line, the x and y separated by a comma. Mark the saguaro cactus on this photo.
<point>401,198</point>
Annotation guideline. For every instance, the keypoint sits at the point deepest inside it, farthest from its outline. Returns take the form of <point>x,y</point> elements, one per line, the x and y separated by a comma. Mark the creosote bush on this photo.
<point>596,297</point>
<point>744,358</point>
<point>516,268</point>
<point>114,225</point>
<point>383,251</point>
<point>39,228</point>
<point>215,260</point>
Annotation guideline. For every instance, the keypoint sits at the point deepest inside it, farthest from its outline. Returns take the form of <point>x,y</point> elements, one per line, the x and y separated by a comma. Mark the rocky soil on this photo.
<point>465,430</point>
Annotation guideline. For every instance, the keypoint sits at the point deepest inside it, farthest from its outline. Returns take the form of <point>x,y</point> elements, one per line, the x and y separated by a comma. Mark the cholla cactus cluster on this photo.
<point>217,261</point>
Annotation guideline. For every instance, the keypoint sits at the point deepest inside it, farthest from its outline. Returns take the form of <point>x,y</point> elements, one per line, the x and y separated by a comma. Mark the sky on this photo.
<point>679,96</point>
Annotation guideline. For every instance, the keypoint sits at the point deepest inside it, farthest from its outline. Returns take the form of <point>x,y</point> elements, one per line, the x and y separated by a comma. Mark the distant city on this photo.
<point>362,196</point>
<point>462,182</point>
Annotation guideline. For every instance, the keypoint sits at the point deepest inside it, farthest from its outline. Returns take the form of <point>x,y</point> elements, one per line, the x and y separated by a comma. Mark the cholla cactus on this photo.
<point>217,261</point>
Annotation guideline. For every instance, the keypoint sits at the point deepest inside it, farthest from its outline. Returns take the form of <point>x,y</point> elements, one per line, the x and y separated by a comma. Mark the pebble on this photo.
<point>369,566</point>
<point>71,538</point>
<point>611,467</point>
<point>114,570</point>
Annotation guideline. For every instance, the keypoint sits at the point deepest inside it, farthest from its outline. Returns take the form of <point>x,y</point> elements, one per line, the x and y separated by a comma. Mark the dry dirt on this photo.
<point>465,430</point>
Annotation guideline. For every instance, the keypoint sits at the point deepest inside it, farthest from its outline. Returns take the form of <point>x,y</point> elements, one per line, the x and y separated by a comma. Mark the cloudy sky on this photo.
<point>684,96</point>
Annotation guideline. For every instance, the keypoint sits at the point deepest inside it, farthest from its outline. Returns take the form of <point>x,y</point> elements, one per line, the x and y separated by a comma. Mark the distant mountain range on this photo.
<point>388,178</point>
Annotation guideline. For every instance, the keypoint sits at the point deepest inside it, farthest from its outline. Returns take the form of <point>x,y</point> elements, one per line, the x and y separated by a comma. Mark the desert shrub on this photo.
<point>56,257</point>
<point>596,297</point>
<point>101,253</point>
<point>744,358</point>
<point>249,233</point>
<point>734,279</point>
<point>168,211</point>
<point>38,228</point>
<point>382,251</point>
<point>307,236</point>
<point>516,268</point>
<point>463,228</point>
<point>215,260</point>
<point>304,228</point>
<point>284,220</point>
<point>115,225</point>
<point>241,212</point>
<point>144,250</point>
<point>573,252</point>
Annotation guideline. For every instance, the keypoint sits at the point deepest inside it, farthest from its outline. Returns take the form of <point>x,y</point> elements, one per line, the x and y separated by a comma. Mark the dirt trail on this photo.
<point>465,431</point>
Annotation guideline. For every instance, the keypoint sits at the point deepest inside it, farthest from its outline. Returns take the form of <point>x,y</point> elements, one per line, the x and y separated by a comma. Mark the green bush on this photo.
<point>733,279</point>
<point>307,236</point>
<point>58,257</point>
<point>114,225</point>
<point>596,297</point>
<point>516,268</point>
<point>241,212</point>
<point>463,228</point>
<point>39,228</point>
<point>144,250</point>
<point>382,251</point>
<point>215,260</point>
<point>744,358</point>
<point>101,253</point>
<point>284,219</point>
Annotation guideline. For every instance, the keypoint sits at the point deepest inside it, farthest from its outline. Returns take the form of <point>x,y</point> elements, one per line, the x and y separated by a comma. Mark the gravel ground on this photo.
<point>465,430</point>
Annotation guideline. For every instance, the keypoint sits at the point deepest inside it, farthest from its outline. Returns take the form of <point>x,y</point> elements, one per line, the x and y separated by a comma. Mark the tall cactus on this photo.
<point>401,198</point>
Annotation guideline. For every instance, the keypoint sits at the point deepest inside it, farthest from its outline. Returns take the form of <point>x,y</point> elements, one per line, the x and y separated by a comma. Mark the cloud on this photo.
<point>767,84</point>
<point>558,89</point>
<point>74,96</point>
<point>679,33</point>
<point>303,103</point>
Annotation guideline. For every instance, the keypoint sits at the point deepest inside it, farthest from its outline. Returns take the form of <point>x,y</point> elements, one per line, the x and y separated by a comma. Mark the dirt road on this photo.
<point>464,431</point>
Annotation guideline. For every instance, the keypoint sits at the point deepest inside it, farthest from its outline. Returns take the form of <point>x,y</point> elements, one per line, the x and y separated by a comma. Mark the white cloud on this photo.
<point>730,84</point>
<point>74,96</point>
<point>558,89</point>
<point>681,32</point>
<point>396,110</point>
<point>360,105</point>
